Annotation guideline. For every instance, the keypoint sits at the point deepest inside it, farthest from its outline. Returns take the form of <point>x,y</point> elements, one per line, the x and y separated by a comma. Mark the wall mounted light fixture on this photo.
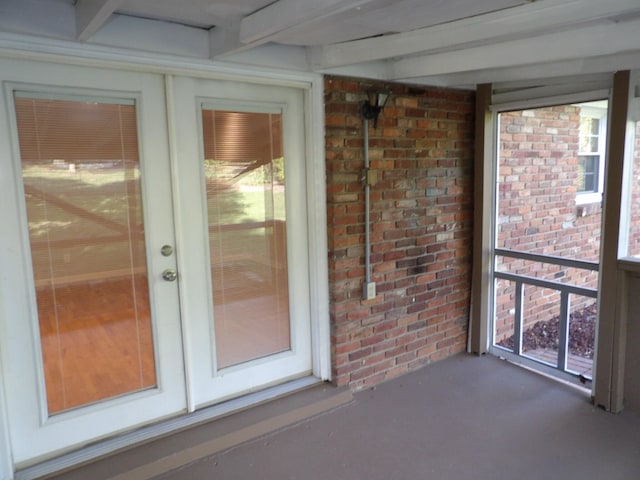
<point>372,107</point>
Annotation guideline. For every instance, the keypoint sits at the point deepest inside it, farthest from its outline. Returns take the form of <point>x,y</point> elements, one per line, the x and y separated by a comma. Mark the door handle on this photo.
<point>170,275</point>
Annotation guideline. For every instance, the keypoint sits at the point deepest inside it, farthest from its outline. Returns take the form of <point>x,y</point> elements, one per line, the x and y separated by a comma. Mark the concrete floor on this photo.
<point>461,418</point>
<point>466,417</point>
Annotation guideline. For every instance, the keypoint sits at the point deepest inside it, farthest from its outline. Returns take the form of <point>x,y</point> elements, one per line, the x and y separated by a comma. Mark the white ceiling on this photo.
<point>439,42</point>
<point>318,22</point>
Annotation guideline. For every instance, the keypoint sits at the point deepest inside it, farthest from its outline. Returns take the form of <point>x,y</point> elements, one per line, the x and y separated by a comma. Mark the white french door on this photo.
<point>91,341</point>
<point>240,184</point>
<point>155,251</point>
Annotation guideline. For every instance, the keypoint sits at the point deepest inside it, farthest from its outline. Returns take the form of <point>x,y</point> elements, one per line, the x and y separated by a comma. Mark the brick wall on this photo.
<point>421,213</point>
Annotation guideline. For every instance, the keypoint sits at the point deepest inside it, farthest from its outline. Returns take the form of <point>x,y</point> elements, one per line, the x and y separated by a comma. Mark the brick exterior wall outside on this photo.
<point>537,211</point>
<point>421,214</point>
<point>634,230</point>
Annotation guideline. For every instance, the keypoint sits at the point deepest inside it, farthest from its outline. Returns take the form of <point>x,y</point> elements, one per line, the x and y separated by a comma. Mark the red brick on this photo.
<point>358,354</point>
<point>362,373</point>
<point>346,348</point>
<point>421,201</point>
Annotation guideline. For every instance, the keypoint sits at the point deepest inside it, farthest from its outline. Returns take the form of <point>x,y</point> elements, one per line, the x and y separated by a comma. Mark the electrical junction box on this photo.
<point>369,290</point>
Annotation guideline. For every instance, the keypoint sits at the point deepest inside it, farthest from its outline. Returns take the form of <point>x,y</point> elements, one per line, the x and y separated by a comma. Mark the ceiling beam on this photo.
<point>580,43</point>
<point>504,24</point>
<point>91,15</point>
<point>535,73</point>
<point>224,38</point>
<point>268,23</point>
<point>282,15</point>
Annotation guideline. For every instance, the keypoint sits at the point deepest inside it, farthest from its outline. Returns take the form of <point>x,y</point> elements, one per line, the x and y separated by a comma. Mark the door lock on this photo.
<point>166,250</point>
<point>170,275</point>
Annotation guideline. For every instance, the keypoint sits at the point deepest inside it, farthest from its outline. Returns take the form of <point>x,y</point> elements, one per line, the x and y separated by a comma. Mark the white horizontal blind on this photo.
<point>245,183</point>
<point>82,185</point>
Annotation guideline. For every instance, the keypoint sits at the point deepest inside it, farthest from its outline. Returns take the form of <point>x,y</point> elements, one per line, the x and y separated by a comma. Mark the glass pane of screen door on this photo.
<point>245,186</point>
<point>81,175</point>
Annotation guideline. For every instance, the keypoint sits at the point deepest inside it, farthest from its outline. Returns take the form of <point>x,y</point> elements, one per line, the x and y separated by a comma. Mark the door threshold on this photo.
<point>156,449</point>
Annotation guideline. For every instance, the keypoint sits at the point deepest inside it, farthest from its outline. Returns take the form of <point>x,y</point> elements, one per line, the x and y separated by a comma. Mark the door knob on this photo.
<point>170,275</point>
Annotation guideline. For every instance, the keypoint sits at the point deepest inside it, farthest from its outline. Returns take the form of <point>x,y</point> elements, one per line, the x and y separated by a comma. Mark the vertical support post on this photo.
<point>483,223</point>
<point>611,336</point>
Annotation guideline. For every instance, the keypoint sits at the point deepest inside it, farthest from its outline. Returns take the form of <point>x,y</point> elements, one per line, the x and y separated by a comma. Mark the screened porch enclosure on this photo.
<point>547,242</point>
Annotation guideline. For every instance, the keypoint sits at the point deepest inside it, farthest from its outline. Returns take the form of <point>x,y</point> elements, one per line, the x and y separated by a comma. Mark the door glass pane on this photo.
<point>81,176</point>
<point>244,171</point>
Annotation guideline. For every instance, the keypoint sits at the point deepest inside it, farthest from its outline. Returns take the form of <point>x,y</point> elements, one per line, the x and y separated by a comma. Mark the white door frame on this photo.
<point>313,87</point>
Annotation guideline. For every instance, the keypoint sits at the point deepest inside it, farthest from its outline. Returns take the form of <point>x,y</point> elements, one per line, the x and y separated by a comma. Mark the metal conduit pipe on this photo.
<point>370,111</point>
<point>368,288</point>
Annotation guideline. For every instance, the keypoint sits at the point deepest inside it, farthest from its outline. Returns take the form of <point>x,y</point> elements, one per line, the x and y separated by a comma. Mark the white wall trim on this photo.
<point>66,52</point>
<point>317,225</point>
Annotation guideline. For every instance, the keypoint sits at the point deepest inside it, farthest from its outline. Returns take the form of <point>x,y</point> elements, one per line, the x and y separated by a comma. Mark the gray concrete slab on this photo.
<point>462,418</point>
<point>158,455</point>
